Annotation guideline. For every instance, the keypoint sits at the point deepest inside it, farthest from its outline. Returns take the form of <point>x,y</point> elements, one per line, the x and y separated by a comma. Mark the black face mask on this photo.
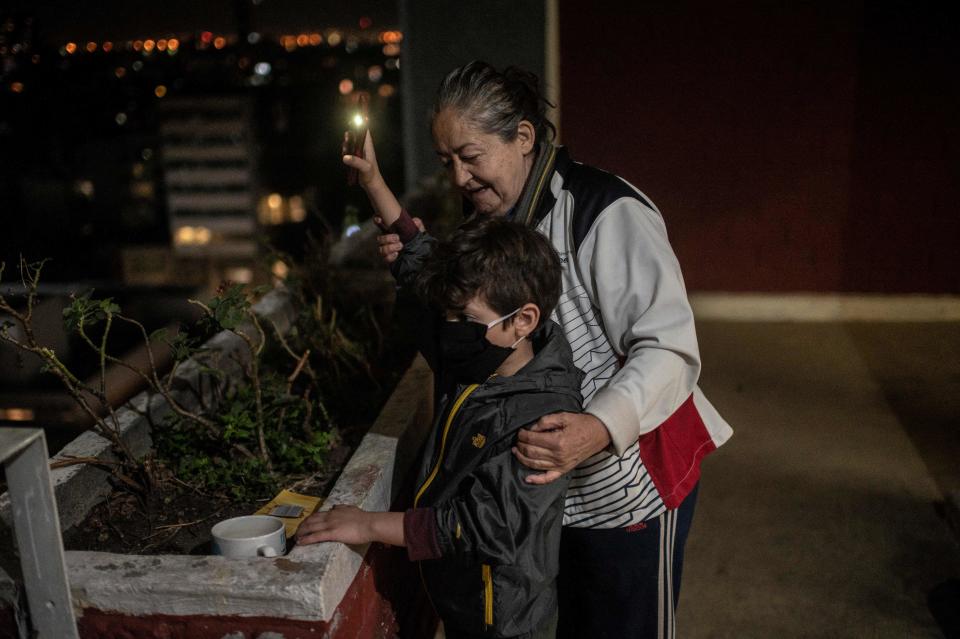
<point>466,355</point>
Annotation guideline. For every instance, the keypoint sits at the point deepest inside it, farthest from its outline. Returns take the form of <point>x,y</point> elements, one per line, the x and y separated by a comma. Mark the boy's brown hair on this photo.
<point>505,263</point>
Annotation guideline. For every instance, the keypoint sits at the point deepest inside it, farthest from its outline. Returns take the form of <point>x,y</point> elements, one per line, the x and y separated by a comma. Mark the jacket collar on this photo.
<point>537,189</point>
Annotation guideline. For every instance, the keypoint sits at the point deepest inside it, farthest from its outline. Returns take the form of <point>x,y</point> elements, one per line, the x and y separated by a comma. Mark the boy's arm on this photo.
<point>351,525</point>
<point>494,511</point>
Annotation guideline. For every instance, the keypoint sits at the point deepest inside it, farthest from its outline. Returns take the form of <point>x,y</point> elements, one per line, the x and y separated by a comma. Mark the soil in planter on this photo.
<point>178,523</point>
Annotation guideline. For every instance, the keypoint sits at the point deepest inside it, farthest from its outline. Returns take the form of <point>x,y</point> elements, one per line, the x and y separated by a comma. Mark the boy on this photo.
<point>487,540</point>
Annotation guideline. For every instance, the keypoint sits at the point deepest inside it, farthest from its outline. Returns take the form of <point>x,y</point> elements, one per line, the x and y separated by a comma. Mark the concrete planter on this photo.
<point>324,590</point>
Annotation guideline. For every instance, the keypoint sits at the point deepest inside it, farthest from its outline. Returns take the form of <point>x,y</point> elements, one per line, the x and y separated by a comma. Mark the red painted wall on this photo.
<point>790,146</point>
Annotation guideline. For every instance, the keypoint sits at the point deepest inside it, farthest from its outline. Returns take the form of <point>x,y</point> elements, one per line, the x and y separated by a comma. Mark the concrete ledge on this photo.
<point>306,585</point>
<point>812,307</point>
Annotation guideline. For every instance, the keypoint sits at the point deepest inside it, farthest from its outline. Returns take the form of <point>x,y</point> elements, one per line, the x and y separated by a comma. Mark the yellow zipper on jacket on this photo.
<point>487,596</point>
<point>443,439</point>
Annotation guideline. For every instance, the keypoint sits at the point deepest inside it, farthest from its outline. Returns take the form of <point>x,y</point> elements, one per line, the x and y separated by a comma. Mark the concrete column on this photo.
<point>439,36</point>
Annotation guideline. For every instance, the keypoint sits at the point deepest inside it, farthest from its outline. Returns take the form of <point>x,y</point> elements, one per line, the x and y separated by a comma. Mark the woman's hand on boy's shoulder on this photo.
<point>557,443</point>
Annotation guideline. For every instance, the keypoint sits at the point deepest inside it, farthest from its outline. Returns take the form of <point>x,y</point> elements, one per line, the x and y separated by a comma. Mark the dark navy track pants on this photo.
<point>623,583</point>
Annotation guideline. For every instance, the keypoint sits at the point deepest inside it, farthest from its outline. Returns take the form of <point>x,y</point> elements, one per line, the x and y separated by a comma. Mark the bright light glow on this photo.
<point>71,47</point>
<point>375,73</point>
<point>185,235</point>
<point>16,87</point>
<point>148,45</point>
<point>262,68</point>
<point>160,91</point>
<point>334,38</point>
<point>137,45</point>
<point>206,37</point>
<point>315,39</point>
<point>239,274</point>
<point>120,119</point>
<point>280,269</point>
<point>357,120</point>
<point>346,86</point>
<point>161,45</point>
<point>391,50</point>
<point>120,72</point>
<point>289,42</point>
<point>303,40</point>
<point>391,37</point>
<point>85,188</point>
<point>192,236</point>
<point>298,212</point>
<point>17,414</point>
<point>351,230</point>
<point>253,37</point>
<point>91,47</point>
<point>275,200</point>
<point>220,42</point>
<point>108,46</point>
<point>386,90</point>
<point>173,44</point>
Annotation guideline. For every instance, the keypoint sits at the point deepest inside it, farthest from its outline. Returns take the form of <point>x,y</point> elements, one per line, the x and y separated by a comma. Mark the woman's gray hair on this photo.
<point>495,101</point>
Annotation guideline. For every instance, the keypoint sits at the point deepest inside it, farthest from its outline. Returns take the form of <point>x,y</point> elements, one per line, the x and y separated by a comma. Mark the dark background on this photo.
<point>791,146</point>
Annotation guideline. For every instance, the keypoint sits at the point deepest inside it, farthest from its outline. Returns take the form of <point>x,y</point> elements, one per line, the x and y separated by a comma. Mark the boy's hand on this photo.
<point>389,243</point>
<point>557,443</point>
<point>348,524</point>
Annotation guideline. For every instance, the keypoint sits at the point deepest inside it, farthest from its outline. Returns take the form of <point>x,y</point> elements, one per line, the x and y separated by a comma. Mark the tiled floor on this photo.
<point>822,517</point>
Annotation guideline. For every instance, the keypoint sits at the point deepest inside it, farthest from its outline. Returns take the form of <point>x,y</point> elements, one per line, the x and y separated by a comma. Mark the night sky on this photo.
<point>60,20</point>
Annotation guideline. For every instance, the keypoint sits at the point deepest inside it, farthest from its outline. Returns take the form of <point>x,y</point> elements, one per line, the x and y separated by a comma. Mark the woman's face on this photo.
<point>487,170</point>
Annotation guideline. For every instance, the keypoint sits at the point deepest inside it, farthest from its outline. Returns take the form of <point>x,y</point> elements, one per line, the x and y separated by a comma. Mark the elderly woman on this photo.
<point>634,454</point>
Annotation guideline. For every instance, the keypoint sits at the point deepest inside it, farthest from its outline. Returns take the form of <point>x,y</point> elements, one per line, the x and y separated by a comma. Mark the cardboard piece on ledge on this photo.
<point>288,498</point>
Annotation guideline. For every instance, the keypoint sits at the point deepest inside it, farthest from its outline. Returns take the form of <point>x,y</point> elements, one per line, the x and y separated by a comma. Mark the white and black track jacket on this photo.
<point>625,312</point>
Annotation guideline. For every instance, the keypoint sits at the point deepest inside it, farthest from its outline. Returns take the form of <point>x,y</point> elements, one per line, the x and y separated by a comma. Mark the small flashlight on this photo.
<point>353,141</point>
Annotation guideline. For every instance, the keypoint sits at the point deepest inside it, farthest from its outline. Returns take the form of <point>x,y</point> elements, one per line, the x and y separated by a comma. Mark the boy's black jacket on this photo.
<point>499,536</point>
<point>485,513</point>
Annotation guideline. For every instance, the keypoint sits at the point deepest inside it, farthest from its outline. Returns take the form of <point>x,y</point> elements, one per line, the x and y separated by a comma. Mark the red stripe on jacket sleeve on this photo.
<point>404,227</point>
<point>420,534</point>
<point>672,453</point>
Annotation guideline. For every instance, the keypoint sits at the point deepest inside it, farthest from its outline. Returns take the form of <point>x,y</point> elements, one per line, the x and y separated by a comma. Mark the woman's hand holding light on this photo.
<point>385,204</point>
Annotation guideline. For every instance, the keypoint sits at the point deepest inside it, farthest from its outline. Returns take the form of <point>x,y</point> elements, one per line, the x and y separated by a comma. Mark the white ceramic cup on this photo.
<point>249,536</point>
